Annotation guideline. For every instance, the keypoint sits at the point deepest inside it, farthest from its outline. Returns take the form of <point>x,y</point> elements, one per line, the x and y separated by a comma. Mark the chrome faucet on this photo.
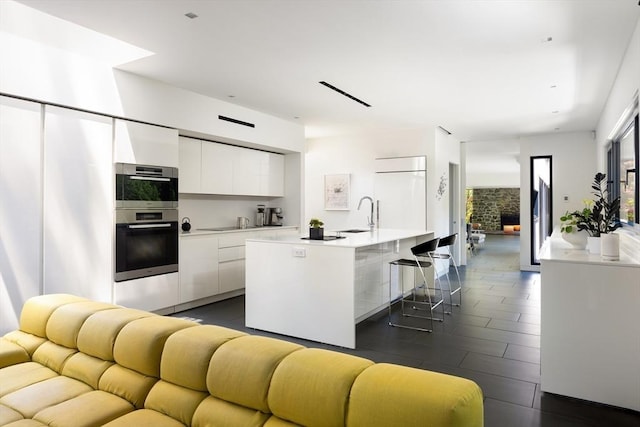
<point>370,222</point>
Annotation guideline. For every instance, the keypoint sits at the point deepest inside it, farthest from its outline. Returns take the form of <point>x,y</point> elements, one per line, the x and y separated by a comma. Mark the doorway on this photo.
<point>541,204</point>
<point>454,209</point>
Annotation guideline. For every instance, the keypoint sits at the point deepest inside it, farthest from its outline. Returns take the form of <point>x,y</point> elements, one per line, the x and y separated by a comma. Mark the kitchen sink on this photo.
<point>353,230</point>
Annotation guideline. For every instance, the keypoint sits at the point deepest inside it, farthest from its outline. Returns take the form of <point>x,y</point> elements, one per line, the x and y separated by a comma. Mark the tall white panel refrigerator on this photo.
<point>401,192</point>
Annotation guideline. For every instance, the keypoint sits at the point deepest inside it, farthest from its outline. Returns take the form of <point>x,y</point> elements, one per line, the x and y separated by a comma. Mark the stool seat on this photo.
<point>447,242</point>
<point>422,298</point>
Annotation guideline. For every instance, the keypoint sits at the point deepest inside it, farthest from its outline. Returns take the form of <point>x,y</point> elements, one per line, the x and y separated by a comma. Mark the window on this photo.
<point>622,159</point>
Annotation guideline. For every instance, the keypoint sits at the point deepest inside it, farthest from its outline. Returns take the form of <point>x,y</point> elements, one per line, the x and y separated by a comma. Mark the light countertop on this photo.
<point>226,230</point>
<point>557,249</point>
<point>350,240</point>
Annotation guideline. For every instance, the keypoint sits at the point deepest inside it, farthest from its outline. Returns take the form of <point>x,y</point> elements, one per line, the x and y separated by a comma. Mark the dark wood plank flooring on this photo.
<point>493,339</point>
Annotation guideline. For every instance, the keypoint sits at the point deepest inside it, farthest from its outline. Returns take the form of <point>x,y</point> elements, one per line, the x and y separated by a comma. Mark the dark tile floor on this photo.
<point>493,339</point>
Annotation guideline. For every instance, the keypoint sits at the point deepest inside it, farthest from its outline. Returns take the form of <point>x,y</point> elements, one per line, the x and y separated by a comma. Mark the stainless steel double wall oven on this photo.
<point>146,221</point>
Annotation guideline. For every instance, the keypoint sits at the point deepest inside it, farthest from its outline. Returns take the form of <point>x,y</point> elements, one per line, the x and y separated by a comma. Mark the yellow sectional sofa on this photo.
<point>75,362</point>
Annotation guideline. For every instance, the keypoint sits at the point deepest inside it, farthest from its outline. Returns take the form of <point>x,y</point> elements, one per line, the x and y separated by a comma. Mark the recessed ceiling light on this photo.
<point>296,117</point>
<point>553,86</point>
<point>191,15</point>
<point>231,96</point>
<point>546,40</point>
<point>555,111</point>
<point>557,129</point>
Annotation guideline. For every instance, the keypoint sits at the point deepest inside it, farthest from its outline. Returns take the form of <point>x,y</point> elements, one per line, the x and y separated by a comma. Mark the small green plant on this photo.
<point>315,223</point>
<point>569,222</point>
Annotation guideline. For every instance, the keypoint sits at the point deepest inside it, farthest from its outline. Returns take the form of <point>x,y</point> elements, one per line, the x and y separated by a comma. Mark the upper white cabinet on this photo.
<point>78,204</point>
<point>218,168</point>
<point>145,144</point>
<point>189,166</point>
<point>213,168</point>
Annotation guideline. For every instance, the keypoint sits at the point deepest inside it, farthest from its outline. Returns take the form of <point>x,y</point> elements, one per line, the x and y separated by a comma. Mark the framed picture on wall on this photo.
<point>337,192</point>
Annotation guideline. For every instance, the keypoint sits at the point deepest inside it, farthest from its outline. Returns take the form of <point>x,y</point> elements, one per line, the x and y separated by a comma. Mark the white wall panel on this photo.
<point>20,207</point>
<point>78,204</point>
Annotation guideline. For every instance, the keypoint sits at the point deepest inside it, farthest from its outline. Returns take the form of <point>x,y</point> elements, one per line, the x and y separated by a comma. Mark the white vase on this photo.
<point>593,245</point>
<point>577,239</point>
<point>610,247</point>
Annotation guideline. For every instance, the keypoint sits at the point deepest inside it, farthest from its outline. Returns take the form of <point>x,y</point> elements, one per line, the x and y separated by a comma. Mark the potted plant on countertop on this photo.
<point>570,233</point>
<point>599,219</point>
<point>316,232</point>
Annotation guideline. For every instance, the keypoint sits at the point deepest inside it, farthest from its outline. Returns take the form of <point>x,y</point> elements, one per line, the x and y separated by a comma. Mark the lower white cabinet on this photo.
<point>198,267</point>
<point>231,261</point>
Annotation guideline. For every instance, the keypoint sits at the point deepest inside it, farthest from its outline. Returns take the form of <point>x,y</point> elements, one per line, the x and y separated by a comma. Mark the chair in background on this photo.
<point>477,235</point>
<point>447,243</point>
<point>422,299</point>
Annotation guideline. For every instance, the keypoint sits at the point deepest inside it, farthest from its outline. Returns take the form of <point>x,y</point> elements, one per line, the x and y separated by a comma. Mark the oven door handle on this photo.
<point>149,226</point>
<point>149,178</point>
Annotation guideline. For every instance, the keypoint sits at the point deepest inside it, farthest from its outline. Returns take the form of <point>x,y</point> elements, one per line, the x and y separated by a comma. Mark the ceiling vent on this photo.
<point>236,121</point>
<point>341,92</point>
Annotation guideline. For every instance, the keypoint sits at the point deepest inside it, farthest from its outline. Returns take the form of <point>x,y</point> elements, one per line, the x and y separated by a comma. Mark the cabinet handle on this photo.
<point>149,178</point>
<point>150,226</point>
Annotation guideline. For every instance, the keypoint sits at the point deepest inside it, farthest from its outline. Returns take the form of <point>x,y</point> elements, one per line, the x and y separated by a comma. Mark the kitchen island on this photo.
<point>319,290</point>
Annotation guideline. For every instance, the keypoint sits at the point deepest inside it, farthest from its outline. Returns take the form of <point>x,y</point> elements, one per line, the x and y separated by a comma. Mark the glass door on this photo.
<point>541,205</point>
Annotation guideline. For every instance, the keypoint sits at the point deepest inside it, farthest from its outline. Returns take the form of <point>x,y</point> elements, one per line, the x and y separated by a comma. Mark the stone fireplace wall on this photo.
<point>490,203</point>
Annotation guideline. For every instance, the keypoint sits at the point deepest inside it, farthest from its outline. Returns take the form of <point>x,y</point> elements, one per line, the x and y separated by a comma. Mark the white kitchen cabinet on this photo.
<point>198,267</point>
<point>217,168</point>
<point>229,170</point>
<point>78,204</point>
<point>274,175</point>
<point>20,207</point>
<point>145,144</point>
<point>231,261</point>
<point>189,166</point>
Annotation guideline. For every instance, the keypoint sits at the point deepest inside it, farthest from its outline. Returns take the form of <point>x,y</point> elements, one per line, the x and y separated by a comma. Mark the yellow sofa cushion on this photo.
<point>11,353</point>
<point>311,386</point>
<point>35,397</point>
<point>86,410</point>
<point>36,311</point>
<point>85,368</point>
<point>177,402</point>
<point>8,415</point>
<point>98,333</point>
<point>139,344</point>
<point>127,384</point>
<point>65,322</point>
<point>187,353</point>
<point>25,340</point>
<point>214,412</point>
<point>18,376</point>
<point>385,395</point>
<point>144,418</point>
<point>240,371</point>
<point>52,355</point>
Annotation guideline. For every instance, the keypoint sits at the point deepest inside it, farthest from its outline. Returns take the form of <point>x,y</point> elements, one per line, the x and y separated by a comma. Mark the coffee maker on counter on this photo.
<point>260,219</point>
<point>273,217</point>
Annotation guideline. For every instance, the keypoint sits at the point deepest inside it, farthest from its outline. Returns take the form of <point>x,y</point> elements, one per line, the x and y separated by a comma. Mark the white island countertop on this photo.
<point>348,240</point>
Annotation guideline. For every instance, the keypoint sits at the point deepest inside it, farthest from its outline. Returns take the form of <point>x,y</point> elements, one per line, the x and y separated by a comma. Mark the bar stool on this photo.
<point>447,243</point>
<point>420,299</point>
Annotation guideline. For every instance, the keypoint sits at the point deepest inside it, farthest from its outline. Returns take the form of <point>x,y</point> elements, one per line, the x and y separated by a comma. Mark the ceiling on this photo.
<point>483,70</point>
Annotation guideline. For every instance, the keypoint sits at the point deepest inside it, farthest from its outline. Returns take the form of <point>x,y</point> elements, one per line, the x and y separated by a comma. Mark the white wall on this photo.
<point>355,155</point>
<point>627,84</point>
<point>35,71</point>
<point>573,168</point>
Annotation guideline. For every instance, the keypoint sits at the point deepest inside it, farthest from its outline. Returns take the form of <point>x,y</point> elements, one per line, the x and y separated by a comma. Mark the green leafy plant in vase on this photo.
<point>316,232</point>
<point>600,217</point>
<point>570,233</point>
